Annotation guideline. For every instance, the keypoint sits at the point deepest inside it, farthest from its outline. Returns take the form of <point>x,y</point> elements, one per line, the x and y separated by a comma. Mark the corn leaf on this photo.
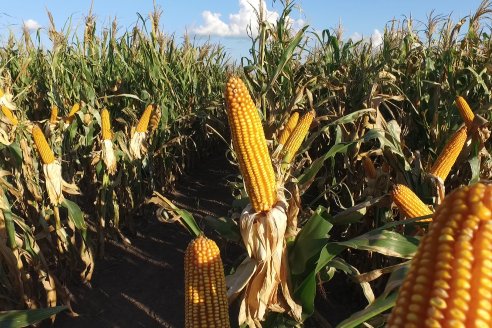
<point>310,240</point>
<point>75,214</point>
<point>24,318</point>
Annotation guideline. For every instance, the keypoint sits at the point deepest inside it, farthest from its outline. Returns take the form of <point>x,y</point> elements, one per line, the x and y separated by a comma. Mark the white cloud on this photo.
<point>376,38</point>
<point>237,23</point>
<point>31,24</point>
<point>356,37</point>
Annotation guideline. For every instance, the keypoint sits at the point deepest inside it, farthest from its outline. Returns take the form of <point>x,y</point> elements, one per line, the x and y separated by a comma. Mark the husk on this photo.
<point>266,269</point>
<point>108,156</point>
<point>54,182</point>
<point>137,148</point>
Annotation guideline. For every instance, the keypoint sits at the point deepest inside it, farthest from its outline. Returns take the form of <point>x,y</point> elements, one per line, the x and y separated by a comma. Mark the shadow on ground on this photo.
<point>141,285</point>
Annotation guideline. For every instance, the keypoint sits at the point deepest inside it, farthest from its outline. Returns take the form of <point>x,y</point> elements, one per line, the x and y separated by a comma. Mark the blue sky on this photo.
<point>224,21</point>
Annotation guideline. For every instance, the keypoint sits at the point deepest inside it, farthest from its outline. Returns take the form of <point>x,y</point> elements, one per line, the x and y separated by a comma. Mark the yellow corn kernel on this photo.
<point>143,123</point>
<point>289,127</point>
<point>297,137</point>
<point>408,203</point>
<point>54,114</point>
<point>105,125</point>
<point>71,115</point>
<point>443,164</point>
<point>465,111</point>
<point>74,110</point>
<point>449,283</point>
<point>250,145</point>
<point>44,149</point>
<point>9,115</point>
<point>369,168</point>
<point>205,289</point>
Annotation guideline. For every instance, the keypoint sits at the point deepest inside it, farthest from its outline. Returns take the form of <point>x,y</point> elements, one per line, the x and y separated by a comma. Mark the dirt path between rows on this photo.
<point>141,285</point>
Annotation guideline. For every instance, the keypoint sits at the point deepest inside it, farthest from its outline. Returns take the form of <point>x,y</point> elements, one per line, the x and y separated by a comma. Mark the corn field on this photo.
<point>359,169</point>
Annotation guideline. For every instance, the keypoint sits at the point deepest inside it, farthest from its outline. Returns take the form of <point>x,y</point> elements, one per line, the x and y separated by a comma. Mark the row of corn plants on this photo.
<point>347,153</point>
<point>89,128</point>
<point>366,159</point>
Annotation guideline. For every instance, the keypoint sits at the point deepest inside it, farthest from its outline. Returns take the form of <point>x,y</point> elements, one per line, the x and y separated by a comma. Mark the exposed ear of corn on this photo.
<point>449,283</point>
<point>107,144</point>
<point>250,146</point>
<point>71,115</point>
<point>105,125</point>
<point>263,276</point>
<point>443,164</point>
<point>9,115</point>
<point>465,111</point>
<point>205,290</point>
<point>297,136</point>
<point>289,127</point>
<point>51,167</point>
<point>143,123</point>
<point>44,149</point>
<point>408,203</point>
<point>54,114</point>
<point>137,142</point>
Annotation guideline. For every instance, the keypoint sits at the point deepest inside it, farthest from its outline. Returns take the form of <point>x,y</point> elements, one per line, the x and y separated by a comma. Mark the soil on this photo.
<point>141,285</point>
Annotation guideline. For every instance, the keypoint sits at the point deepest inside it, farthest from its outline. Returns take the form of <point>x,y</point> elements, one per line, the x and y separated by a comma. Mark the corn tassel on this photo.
<point>143,123</point>
<point>105,125</point>
<point>250,145</point>
<point>449,283</point>
<point>297,137</point>
<point>289,127</point>
<point>47,155</point>
<point>54,114</point>
<point>408,203</point>
<point>205,289</point>
<point>465,111</point>
<point>449,154</point>
<point>9,115</point>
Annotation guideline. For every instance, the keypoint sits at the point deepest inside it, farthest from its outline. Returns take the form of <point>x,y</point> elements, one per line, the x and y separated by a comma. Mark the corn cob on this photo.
<point>143,123</point>
<point>9,115</point>
<point>205,289</point>
<point>408,203</point>
<point>369,168</point>
<point>296,138</point>
<point>71,115</point>
<point>74,110</point>
<point>250,145</point>
<point>54,114</point>
<point>289,127</point>
<point>47,156</point>
<point>449,283</point>
<point>449,154</point>
<point>465,111</point>
<point>105,125</point>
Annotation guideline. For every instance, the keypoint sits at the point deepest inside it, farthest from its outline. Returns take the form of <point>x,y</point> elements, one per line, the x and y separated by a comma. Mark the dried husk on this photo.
<point>108,156</point>
<point>54,182</point>
<point>263,276</point>
<point>137,147</point>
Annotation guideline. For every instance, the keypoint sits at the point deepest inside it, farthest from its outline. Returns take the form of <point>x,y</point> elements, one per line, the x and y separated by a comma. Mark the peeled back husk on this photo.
<point>54,182</point>
<point>263,275</point>
<point>137,146</point>
<point>108,156</point>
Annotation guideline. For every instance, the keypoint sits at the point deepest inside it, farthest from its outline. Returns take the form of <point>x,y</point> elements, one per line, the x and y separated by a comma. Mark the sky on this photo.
<point>224,21</point>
